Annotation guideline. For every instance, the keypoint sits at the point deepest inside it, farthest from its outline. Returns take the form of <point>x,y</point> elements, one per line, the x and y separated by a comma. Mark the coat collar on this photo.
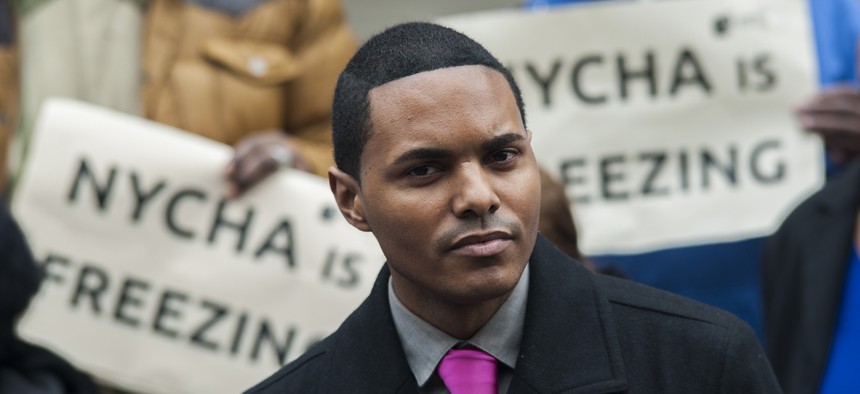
<point>367,356</point>
<point>569,341</point>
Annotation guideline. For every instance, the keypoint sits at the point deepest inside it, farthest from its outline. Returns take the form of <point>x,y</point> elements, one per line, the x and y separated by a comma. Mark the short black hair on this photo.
<point>397,52</point>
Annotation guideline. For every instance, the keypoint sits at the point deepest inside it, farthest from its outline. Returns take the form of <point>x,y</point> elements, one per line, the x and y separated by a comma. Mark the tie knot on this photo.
<point>468,371</point>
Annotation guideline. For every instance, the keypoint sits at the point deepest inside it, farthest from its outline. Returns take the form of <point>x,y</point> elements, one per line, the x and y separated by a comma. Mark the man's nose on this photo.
<point>474,194</point>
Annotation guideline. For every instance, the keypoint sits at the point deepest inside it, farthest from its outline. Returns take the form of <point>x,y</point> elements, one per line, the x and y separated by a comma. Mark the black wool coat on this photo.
<point>584,333</point>
<point>803,274</point>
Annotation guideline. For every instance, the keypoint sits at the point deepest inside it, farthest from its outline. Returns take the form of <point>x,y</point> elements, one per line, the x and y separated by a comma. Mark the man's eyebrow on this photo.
<point>500,141</point>
<point>423,154</point>
<point>438,153</point>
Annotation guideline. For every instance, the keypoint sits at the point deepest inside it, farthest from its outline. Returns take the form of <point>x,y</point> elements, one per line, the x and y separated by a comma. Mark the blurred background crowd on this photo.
<point>226,70</point>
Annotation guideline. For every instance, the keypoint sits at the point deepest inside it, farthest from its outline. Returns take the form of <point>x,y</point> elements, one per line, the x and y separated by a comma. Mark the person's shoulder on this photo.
<point>304,371</point>
<point>666,323</point>
<point>642,303</point>
<point>708,349</point>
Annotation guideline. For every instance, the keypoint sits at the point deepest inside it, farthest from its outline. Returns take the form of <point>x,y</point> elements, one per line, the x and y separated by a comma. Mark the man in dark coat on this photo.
<point>811,286</point>
<point>434,158</point>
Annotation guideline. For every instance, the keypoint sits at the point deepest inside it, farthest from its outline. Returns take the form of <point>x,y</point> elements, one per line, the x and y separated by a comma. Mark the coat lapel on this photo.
<point>367,355</point>
<point>569,342</point>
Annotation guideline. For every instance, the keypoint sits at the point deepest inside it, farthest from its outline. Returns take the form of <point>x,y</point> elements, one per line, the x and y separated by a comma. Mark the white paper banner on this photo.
<point>669,122</point>
<point>159,283</point>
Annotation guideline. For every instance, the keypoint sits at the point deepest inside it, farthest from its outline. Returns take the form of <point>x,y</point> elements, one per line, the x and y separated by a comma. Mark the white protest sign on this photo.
<point>159,283</point>
<point>669,122</point>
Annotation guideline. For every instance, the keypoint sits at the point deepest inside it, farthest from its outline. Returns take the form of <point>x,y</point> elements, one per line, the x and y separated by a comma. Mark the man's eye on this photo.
<point>503,156</point>
<point>422,170</point>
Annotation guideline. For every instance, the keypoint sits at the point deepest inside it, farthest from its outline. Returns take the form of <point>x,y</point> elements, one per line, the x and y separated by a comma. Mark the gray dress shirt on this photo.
<point>425,345</point>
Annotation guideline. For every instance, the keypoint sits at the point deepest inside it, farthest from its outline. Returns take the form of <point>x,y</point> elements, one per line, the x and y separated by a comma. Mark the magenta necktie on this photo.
<point>468,371</point>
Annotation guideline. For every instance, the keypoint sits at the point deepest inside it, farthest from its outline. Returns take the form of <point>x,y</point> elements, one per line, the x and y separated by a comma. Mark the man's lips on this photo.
<point>482,245</point>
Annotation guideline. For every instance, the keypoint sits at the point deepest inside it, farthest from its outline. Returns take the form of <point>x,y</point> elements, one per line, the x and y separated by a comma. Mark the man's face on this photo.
<point>449,185</point>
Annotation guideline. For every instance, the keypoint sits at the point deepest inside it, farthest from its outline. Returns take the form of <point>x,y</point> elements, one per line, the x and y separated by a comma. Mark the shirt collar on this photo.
<point>425,345</point>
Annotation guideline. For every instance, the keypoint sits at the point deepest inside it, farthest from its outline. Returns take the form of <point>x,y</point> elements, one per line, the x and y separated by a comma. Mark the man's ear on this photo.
<point>528,136</point>
<point>347,194</point>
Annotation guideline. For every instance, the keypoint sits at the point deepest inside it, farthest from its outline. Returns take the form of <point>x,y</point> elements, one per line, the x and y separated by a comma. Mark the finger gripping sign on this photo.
<point>669,123</point>
<point>155,280</point>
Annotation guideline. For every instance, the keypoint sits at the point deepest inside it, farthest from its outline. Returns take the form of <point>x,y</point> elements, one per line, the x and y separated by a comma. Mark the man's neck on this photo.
<point>460,321</point>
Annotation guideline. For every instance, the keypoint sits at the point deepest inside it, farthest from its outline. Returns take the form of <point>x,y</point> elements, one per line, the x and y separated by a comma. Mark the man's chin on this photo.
<point>483,291</point>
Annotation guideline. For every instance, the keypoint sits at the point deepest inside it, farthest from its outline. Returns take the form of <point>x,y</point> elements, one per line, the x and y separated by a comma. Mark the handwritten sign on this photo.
<point>156,281</point>
<point>669,122</point>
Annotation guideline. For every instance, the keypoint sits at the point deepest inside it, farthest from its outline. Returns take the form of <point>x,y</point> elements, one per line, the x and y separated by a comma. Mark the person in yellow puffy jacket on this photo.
<point>256,74</point>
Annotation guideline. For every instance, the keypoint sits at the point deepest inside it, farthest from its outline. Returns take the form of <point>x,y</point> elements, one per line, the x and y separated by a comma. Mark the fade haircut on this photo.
<point>397,52</point>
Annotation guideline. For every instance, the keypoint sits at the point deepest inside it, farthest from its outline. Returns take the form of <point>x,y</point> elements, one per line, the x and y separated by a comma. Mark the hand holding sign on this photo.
<point>834,114</point>
<point>258,156</point>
